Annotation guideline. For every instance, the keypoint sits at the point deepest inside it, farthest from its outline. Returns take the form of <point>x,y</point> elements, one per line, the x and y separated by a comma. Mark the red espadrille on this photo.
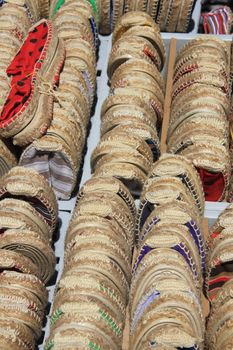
<point>34,71</point>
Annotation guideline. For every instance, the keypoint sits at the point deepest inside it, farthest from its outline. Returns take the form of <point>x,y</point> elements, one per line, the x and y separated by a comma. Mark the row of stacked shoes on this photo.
<point>89,307</point>
<point>199,122</point>
<point>58,154</point>
<point>15,23</point>
<point>50,122</point>
<point>28,218</point>
<point>165,300</point>
<point>230,192</point>
<point>166,289</point>
<point>165,305</point>
<point>49,92</point>
<point>171,16</point>
<point>219,282</point>
<point>28,207</point>
<point>91,297</point>
<point>169,236</point>
<point>131,116</point>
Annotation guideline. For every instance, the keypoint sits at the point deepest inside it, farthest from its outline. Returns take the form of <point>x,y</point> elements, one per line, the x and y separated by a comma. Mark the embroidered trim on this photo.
<point>29,14</point>
<point>94,31</point>
<point>49,345</point>
<point>146,300</point>
<point>56,315</point>
<point>94,6</point>
<point>91,345</point>
<point>196,234</point>
<point>108,291</point>
<point>110,322</point>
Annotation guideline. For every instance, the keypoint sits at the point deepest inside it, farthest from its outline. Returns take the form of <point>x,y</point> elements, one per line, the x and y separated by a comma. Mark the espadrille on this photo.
<point>175,299</point>
<point>163,190</point>
<point>92,314</point>
<point>96,203</point>
<point>174,211</point>
<point>213,165</point>
<point>220,321</point>
<point>112,185</point>
<point>134,123</point>
<point>184,15</point>
<point>182,168</point>
<point>29,7</point>
<point>140,65</point>
<point>191,114</point>
<point>132,47</point>
<point>219,260</point>
<point>92,285</point>
<point>130,174</point>
<point>52,157</point>
<point>26,183</point>
<point>74,299</point>
<point>150,98</point>
<point>76,337</point>
<point>14,21</point>
<point>129,20</point>
<point>18,330</point>
<point>8,159</point>
<point>23,315</point>
<point>8,342</point>
<point>25,281</point>
<point>16,213</point>
<point>85,222</point>
<point>93,281</point>
<point>68,16</point>
<point>22,115</point>
<point>33,246</point>
<point>102,235</point>
<point>102,246</point>
<point>205,41</point>
<point>101,264</point>
<point>113,142</point>
<point>146,290</point>
<point>157,265</point>
<point>160,236</point>
<point>16,261</point>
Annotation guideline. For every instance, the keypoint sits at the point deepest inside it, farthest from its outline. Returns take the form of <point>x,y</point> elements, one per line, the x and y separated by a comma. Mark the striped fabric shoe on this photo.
<point>217,21</point>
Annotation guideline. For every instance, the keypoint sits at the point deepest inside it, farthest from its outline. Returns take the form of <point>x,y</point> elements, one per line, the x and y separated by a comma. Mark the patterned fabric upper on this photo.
<point>218,21</point>
<point>213,184</point>
<point>21,69</point>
